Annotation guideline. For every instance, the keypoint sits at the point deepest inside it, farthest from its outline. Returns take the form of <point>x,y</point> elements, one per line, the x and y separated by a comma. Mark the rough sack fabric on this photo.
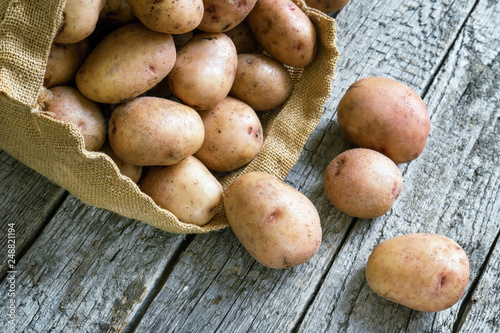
<point>55,149</point>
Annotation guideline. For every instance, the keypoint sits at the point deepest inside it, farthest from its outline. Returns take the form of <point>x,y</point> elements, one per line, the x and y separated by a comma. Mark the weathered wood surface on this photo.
<point>89,270</point>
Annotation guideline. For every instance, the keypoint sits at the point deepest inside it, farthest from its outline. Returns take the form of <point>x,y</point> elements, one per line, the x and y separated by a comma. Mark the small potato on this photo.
<point>68,105</point>
<point>284,31</point>
<point>63,63</point>
<point>172,17</point>
<point>125,64</point>
<point>79,20</point>
<point>154,131</point>
<point>204,70</point>
<point>187,189</point>
<point>233,135</point>
<point>261,82</point>
<point>425,272</point>
<point>385,115</point>
<point>132,171</point>
<point>327,6</point>
<point>362,183</point>
<point>117,12</point>
<point>222,15</point>
<point>243,39</point>
<point>277,225</point>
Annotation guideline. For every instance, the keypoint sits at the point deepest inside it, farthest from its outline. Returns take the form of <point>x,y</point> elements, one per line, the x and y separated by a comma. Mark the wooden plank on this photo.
<point>233,293</point>
<point>89,271</point>
<point>26,201</point>
<point>452,189</point>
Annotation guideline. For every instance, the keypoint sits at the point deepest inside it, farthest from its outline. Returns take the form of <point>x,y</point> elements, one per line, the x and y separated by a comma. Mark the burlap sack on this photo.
<point>56,150</point>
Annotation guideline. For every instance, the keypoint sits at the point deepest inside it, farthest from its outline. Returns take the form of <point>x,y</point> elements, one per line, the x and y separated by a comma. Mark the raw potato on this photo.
<point>362,183</point>
<point>172,17</point>
<point>385,115</point>
<point>277,225</point>
<point>233,135</point>
<point>154,131</point>
<point>425,272</point>
<point>327,6</point>
<point>204,70</point>
<point>261,82</point>
<point>125,64</point>
<point>187,189</point>
<point>132,171</point>
<point>117,12</point>
<point>68,105</point>
<point>222,15</point>
<point>243,39</point>
<point>63,63</point>
<point>284,31</point>
<point>79,20</point>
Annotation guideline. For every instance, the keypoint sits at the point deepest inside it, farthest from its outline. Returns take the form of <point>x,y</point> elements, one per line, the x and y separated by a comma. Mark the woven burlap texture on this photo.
<point>56,149</point>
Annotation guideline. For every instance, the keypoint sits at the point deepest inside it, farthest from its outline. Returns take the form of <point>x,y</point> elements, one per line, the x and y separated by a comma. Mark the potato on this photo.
<point>204,70</point>
<point>187,189</point>
<point>222,15</point>
<point>277,225</point>
<point>261,82</point>
<point>154,131</point>
<point>79,20</point>
<point>63,63</point>
<point>284,31</point>
<point>117,12</point>
<point>125,64</point>
<point>327,6</point>
<point>233,135</point>
<point>132,171</point>
<point>385,115</point>
<point>425,272</point>
<point>243,39</point>
<point>172,17</point>
<point>362,183</point>
<point>68,105</point>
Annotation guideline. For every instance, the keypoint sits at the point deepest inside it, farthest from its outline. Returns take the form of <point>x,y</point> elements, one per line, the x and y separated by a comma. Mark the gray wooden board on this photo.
<point>383,38</point>
<point>89,271</point>
<point>26,200</point>
<point>452,189</point>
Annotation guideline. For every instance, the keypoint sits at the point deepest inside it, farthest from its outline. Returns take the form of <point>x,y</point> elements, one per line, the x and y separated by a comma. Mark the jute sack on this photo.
<point>56,150</point>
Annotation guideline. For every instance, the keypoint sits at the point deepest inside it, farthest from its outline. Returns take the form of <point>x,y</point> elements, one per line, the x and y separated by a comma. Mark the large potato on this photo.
<point>233,135</point>
<point>385,115</point>
<point>261,82</point>
<point>172,17</point>
<point>125,64</point>
<point>204,70</point>
<point>222,15</point>
<point>187,189</point>
<point>68,105</point>
<point>425,272</point>
<point>79,20</point>
<point>284,31</point>
<point>154,131</point>
<point>63,63</point>
<point>277,225</point>
<point>362,183</point>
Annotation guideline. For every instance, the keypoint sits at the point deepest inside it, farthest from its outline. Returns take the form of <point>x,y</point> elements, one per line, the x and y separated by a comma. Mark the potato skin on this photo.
<point>125,64</point>
<point>68,105</point>
<point>385,115</point>
<point>277,225</point>
<point>132,171</point>
<point>154,131</point>
<point>117,12</point>
<point>79,20</point>
<point>284,31</point>
<point>425,272</point>
<point>362,183</point>
<point>243,39</point>
<point>172,17</point>
<point>222,15</point>
<point>327,6</point>
<point>187,189</point>
<point>233,135</point>
<point>63,63</point>
<point>261,82</point>
<point>204,70</point>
